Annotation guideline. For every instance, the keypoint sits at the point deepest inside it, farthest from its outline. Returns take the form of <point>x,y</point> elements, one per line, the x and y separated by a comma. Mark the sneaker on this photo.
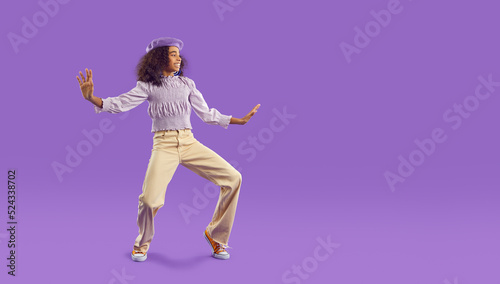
<point>139,256</point>
<point>218,251</point>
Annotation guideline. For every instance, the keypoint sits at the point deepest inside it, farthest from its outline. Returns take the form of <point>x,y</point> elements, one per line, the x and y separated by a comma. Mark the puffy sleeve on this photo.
<point>126,101</point>
<point>210,116</point>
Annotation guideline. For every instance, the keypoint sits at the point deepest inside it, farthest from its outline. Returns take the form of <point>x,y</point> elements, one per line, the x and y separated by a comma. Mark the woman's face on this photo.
<point>174,57</point>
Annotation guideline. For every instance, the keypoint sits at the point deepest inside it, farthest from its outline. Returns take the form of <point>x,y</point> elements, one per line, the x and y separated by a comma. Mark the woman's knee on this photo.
<point>149,202</point>
<point>236,177</point>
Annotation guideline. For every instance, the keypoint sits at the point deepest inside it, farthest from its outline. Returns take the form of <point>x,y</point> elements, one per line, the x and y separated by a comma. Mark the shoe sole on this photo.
<point>213,252</point>
<point>139,258</point>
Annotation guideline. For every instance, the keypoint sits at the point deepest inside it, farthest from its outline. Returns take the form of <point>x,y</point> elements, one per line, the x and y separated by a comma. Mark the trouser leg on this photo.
<point>162,165</point>
<point>209,165</point>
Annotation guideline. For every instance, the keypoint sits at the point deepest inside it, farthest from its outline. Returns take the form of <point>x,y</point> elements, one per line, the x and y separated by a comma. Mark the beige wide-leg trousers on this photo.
<point>174,147</point>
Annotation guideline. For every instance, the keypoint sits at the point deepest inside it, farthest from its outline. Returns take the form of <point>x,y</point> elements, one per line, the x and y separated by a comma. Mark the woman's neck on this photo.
<point>166,74</point>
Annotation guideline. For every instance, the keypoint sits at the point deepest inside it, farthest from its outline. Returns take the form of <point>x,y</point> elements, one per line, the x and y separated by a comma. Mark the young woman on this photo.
<point>171,96</point>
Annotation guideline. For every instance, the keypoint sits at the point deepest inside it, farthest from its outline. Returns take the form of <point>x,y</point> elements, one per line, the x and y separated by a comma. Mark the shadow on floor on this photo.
<point>174,261</point>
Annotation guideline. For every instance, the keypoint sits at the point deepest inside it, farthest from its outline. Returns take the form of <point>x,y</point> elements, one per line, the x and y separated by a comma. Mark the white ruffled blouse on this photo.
<point>169,104</point>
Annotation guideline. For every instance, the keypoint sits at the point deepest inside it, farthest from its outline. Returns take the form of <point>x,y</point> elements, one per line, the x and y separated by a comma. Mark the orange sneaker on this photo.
<point>138,256</point>
<point>218,250</point>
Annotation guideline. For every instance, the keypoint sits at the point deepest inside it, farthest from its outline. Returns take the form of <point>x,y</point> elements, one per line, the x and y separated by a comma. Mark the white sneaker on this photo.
<point>139,256</point>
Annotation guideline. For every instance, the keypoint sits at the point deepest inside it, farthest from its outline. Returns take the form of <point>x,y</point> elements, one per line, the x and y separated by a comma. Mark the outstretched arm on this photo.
<point>121,103</point>
<point>87,88</point>
<point>213,116</point>
<point>246,118</point>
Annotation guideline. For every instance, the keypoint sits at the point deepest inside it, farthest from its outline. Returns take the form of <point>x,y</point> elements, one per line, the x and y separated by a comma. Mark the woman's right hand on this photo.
<point>86,85</point>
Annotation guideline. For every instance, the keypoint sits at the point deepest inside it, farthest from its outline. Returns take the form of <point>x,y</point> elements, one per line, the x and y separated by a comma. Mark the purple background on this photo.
<point>321,176</point>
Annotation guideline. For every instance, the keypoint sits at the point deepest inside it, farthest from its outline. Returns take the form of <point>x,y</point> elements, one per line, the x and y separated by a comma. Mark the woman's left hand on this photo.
<point>247,117</point>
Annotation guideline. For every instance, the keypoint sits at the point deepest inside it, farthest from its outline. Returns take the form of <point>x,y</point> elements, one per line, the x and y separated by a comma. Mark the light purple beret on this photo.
<point>165,41</point>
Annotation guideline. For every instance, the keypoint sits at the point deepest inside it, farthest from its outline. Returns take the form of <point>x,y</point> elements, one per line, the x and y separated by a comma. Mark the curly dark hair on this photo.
<point>151,65</point>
